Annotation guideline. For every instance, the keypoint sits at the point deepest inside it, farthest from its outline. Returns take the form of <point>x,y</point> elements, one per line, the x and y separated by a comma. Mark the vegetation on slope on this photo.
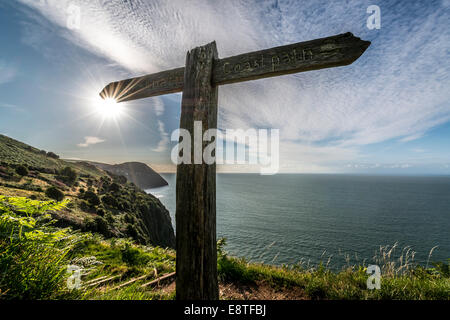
<point>99,201</point>
<point>17,153</point>
<point>35,255</point>
<point>401,278</point>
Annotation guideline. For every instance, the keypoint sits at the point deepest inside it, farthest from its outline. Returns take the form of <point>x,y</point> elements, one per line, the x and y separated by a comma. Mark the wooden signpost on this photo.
<point>196,259</point>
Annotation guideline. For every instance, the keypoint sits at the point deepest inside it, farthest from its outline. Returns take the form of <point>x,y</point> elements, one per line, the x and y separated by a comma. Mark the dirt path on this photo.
<point>257,291</point>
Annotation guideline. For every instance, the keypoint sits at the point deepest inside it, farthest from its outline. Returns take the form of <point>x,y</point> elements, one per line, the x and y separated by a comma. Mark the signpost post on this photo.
<point>196,260</point>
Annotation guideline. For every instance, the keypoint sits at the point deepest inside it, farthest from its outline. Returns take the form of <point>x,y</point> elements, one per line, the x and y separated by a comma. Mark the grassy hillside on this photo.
<point>18,153</point>
<point>99,201</point>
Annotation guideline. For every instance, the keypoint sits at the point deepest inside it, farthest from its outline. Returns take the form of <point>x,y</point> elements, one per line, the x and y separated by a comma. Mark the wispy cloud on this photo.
<point>164,142</point>
<point>397,90</point>
<point>88,141</point>
<point>8,106</point>
<point>158,106</point>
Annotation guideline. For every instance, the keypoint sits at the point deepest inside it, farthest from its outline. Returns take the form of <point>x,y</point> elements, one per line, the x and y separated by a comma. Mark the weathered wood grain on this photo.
<point>156,84</point>
<point>196,260</point>
<point>316,54</point>
<point>158,280</point>
<point>335,51</point>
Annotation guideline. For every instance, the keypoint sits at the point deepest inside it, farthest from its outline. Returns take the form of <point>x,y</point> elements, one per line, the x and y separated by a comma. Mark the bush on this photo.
<point>132,231</point>
<point>130,219</point>
<point>109,217</point>
<point>110,201</point>
<point>92,198</point>
<point>97,224</point>
<point>52,155</point>
<point>114,187</point>
<point>54,193</point>
<point>84,206</point>
<point>133,256</point>
<point>68,176</point>
<point>100,212</point>
<point>22,171</point>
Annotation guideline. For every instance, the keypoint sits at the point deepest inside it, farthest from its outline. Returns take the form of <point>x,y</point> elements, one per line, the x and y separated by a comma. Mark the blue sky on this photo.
<point>389,112</point>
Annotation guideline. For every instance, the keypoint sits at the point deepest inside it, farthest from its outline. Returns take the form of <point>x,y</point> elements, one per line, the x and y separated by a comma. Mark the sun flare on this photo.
<point>109,108</point>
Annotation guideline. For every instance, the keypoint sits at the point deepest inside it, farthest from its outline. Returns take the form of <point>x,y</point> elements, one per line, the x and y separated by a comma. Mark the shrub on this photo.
<point>22,170</point>
<point>114,187</point>
<point>124,205</point>
<point>110,201</point>
<point>54,193</point>
<point>100,212</point>
<point>109,217</point>
<point>92,198</point>
<point>97,224</point>
<point>52,155</point>
<point>68,176</point>
<point>84,206</point>
<point>130,219</point>
<point>134,256</point>
<point>132,231</point>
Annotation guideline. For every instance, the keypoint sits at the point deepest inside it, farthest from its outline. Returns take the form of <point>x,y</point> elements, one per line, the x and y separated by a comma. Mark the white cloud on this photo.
<point>158,105</point>
<point>164,142</point>
<point>88,141</point>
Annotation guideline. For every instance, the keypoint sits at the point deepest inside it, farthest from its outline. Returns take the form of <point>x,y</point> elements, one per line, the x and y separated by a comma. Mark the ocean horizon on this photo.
<point>337,219</point>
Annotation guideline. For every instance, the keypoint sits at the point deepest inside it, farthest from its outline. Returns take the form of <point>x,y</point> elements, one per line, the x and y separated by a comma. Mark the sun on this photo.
<point>109,108</point>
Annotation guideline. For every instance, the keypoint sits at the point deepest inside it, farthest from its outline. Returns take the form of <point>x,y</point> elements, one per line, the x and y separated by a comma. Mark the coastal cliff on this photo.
<point>137,172</point>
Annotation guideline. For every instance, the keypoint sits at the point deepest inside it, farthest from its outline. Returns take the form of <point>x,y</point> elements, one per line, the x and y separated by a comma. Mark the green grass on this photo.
<point>34,257</point>
<point>32,253</point>
<point>401,278</point>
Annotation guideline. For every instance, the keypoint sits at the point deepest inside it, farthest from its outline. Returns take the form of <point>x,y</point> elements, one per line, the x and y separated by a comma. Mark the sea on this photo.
<point>336,219</point>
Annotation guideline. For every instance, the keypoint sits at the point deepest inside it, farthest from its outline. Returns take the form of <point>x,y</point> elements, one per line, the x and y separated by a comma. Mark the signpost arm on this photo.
<point>196,260</point>
<point>335,51</point>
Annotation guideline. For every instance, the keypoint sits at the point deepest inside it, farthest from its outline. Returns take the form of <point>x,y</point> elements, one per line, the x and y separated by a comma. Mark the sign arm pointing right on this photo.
<point>335,51</point>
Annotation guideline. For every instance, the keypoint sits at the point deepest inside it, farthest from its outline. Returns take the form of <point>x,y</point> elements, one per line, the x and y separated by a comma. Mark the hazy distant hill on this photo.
<point>139,173</point>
